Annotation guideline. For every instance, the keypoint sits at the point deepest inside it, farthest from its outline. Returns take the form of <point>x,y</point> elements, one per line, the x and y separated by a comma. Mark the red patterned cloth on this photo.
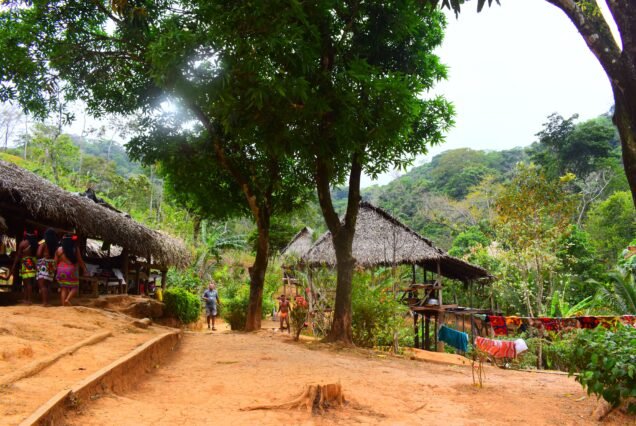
<point>550,324</point>
<point>588,322</point>
<point>496,348</point>
<point>498,324</point>
<point>568,323</point>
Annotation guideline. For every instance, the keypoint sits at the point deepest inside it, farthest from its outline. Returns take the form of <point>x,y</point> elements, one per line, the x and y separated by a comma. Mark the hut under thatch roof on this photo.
<point>382,240</point>
<point>299,245</point>
<point>28,198</point>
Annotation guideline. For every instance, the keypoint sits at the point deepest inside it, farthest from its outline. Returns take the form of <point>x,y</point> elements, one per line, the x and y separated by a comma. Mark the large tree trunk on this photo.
<point>257,275</point>
<point>341,327</point>
<point>342,236</point>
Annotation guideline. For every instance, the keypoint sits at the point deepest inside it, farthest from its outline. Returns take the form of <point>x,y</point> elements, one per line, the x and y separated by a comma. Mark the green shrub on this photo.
<point>606,363</point>
<point>182,304</point>
<point>235,296</point>
<point>187,279</point>
<point>557,352</point>
<point>376,316</point>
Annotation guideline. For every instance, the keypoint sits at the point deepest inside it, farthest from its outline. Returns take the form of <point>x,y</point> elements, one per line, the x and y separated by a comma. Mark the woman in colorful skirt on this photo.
<point>68,259</point>
<point>46,263</point>
<point>26,252</point>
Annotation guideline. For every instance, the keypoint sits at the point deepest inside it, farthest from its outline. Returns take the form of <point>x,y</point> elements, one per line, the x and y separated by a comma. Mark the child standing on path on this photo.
<point>283,308</point>
<point>27,250</point>
<point>211,297</point>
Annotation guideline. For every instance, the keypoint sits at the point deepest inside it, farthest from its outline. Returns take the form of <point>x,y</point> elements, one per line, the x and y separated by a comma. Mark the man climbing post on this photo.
<point>211,297</point>
<point>283,309</point>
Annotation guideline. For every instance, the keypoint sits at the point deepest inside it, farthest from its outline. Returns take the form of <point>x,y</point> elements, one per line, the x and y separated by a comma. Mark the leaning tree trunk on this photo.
<point>625,121</point>
<point>618,62</point>
<point>257,277</point>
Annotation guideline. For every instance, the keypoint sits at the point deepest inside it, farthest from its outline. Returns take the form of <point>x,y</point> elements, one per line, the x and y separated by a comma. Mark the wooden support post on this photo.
<point>137,271</point>
<point>439,318</point>
<point>164,276</point>
<point>414,277</point>
<point>472,329</point>
<point>427,338</point>
<point>415,330</point>
<point>125,266</point>
<point>422,328</point>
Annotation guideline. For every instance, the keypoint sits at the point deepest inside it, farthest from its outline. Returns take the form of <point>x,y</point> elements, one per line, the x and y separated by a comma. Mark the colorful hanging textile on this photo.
<point>513,322</point>
<point>498,324</point>
<point>588,322</point>
<point>496,348</point>
<point>550,324</point>
<point>569,323</point>
<point>454,338</point>
<point>629,320</point>
<point>520,346</point>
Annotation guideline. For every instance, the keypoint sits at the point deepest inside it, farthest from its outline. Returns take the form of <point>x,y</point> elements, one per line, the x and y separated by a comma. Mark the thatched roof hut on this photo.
<point>299,245</point>
<point>382,240</point>
<point>26,197</point>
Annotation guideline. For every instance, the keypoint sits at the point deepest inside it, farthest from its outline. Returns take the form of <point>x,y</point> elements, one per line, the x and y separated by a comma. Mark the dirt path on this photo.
<point>212,376</point>
<point>32,333</point>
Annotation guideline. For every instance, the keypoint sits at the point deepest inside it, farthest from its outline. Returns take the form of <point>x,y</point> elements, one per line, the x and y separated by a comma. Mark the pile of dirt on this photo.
<point>134,306</point>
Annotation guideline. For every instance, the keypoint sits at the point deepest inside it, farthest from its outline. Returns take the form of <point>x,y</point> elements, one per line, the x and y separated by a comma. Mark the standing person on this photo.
<point>283,308</point>
<point>46,264</point>
<point>211,297</point>
<point>68,259</point>
<point>26,252</point>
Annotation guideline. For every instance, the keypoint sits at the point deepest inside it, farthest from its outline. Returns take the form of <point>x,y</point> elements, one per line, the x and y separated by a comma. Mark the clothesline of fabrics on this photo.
<point>502,325</point>
<point>496,348</point>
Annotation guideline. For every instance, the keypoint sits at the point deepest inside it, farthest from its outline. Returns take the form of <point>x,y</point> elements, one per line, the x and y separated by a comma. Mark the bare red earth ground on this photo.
<point>30,333</point>
<point>213,375</point>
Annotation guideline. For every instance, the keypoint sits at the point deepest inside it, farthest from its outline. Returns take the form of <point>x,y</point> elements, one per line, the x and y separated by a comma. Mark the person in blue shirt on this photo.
<point>211,297</point>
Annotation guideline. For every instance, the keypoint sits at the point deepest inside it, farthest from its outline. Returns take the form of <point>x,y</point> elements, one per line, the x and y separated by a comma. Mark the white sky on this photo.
<point>511,66</point>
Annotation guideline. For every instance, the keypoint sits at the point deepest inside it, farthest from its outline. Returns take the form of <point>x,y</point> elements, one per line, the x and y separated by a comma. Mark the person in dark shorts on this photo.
<point>211,297</point>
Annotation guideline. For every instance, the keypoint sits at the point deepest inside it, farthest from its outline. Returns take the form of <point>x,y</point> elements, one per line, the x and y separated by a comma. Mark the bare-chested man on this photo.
<point>283,310</point>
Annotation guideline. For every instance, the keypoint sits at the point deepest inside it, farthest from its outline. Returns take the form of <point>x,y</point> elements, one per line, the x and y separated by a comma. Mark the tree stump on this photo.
<point>315,399</point>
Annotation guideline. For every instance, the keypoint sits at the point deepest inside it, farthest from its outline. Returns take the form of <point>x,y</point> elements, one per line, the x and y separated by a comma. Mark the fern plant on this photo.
<point>621,298</point>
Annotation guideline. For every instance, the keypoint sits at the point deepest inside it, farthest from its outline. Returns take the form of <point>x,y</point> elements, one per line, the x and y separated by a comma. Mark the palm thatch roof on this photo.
<point>299,245</point>
<point>382,240</point>
<point>26,196</point>
<point>96,249</point>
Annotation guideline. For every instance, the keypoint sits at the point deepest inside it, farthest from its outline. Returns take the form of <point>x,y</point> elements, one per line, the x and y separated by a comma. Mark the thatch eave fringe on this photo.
<point>42,201</point>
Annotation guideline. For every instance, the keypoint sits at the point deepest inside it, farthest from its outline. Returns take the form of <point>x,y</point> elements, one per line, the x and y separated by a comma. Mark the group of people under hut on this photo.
<point>51,259</point>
